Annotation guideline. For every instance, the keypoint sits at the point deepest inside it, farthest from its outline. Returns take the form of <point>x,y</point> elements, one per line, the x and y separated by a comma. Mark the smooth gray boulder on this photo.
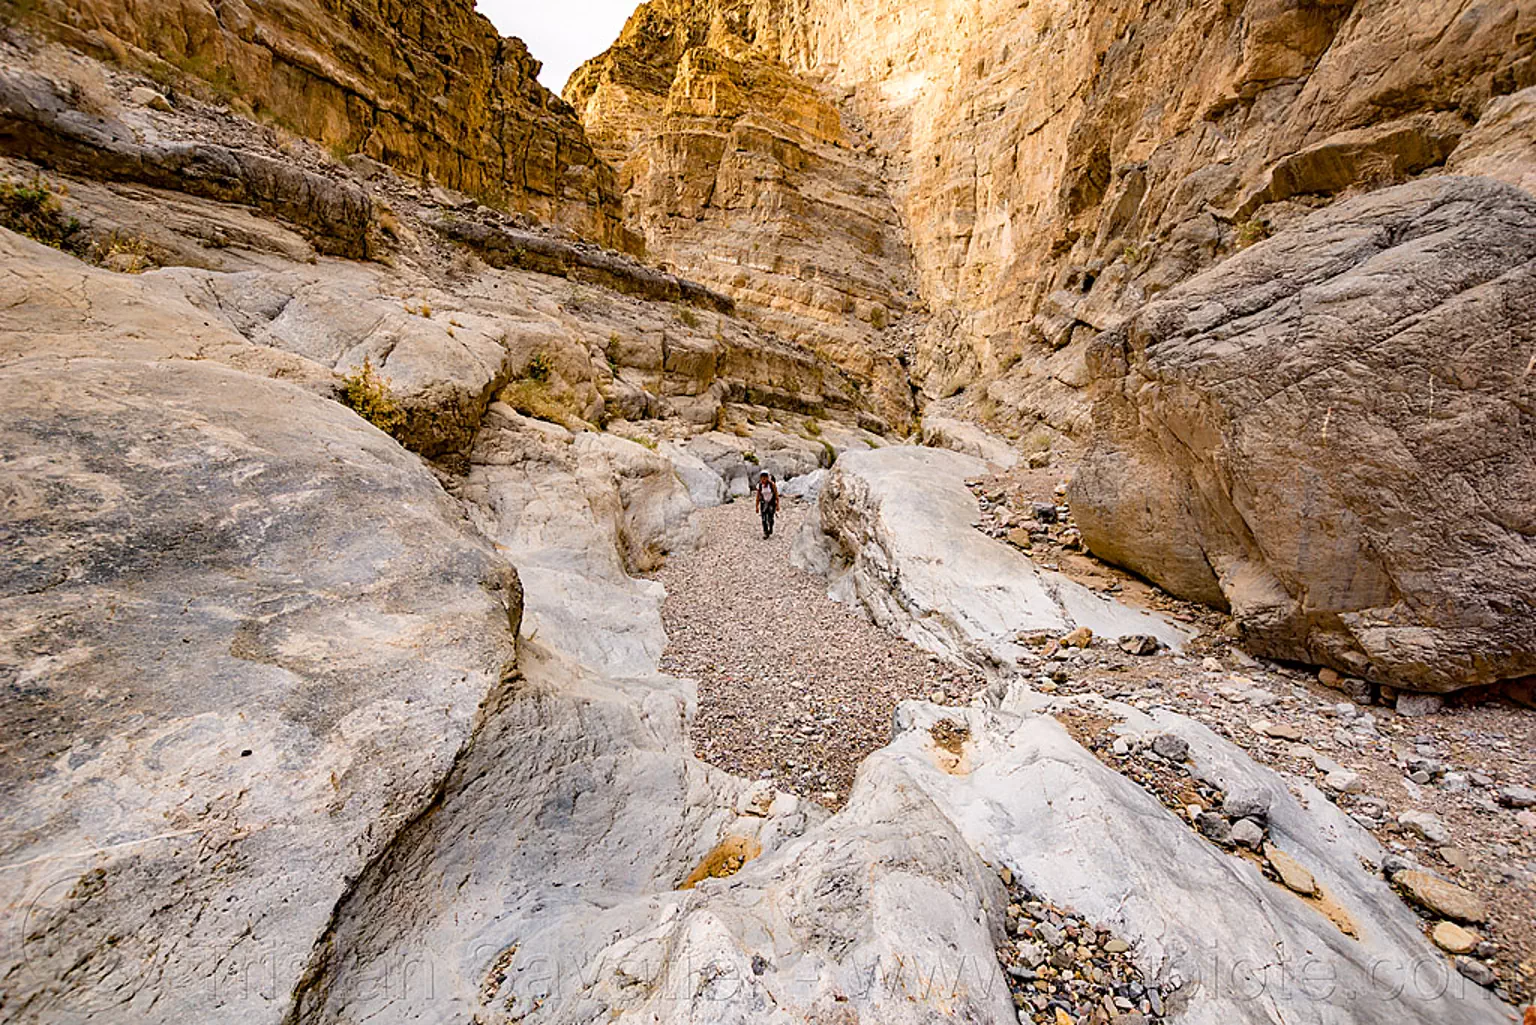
<point>1025,795</point>
<point>245,636</point>
<point>897,535</point>
<point>1330,433</point>
<point>576,513</point>
<point>969,439</point>
<point>807,486</point>
<point>705,486</point>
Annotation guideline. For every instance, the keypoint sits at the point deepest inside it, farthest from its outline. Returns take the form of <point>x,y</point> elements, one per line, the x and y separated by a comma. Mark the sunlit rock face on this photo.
<point>1051,165</point>
<point>430,89</point>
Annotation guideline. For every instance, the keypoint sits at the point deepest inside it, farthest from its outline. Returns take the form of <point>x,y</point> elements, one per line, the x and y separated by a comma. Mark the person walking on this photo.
<point>767,502</point>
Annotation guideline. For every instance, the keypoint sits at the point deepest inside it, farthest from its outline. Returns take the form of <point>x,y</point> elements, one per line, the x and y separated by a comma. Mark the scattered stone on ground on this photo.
<point>793,687</point>
<point>1062,968</point>
<point>1467,760</point>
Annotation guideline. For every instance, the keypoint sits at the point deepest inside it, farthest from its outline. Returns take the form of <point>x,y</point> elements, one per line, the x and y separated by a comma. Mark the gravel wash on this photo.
<point>793,687</point>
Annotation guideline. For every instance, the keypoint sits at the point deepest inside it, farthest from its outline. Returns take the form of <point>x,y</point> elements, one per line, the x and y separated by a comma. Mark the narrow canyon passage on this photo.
<point>793,686</point>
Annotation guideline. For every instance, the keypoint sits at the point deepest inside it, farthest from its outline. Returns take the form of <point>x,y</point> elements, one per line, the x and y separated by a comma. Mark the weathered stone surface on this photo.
<point>208,588</point>
<point>1442,898</point>
<point>1031,794</point>
<point>1501,143</point>
<point>38,122</point>
<point>747,176</point>
<point>1324,434</point>
<point>959,436</point>
<point>1053,167</point>
<point>430,89</point>
<point>898,525</point>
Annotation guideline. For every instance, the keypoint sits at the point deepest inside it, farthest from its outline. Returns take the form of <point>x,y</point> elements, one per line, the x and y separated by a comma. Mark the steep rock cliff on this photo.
<point>430,89</point>
<point>1055,165</point>
<point>743,174</point>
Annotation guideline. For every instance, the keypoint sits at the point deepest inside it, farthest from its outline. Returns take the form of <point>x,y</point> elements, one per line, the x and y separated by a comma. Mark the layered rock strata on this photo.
<point>431,90</point>
<point>743,174</point>
<point>1053,165</point>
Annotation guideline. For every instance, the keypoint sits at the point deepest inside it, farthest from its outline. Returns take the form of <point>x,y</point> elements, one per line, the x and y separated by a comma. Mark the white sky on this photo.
<point>561,33</point>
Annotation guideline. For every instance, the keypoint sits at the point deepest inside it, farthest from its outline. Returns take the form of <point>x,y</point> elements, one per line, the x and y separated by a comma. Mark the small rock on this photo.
<point>1032,954</point>
<point>1455,857</point>
<point>1216,827</point>
<point>1243,660</point>
<point>144,96</point>
<point>1173,748</point>
<point>1415,706</point>
<point>1392,864</point>
<point>1045,512</point>
<point>1116,946</point>
<point>1441,897</point>
<point>1427,825</point>
<point>1328,677</point>
<point>1420,777</point>
<point>1079,638</point>
<point>1248,833</point>
<point>1139,644</point>
<point>1342,781</point>
<point>1277,730</point>
<point>1253,804</point>
<point>1291,872</point>
<point>1526,820</point>
<point>1451,937</point>
<point>1517,797</point>
<point>1476,971</point>
<point>1049,934</point>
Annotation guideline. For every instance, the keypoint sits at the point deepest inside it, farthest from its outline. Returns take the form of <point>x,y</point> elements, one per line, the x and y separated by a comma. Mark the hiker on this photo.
<point>767,502</point>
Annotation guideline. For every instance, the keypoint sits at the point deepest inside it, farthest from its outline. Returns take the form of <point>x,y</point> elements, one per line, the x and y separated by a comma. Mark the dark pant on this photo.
<point>769,508</point>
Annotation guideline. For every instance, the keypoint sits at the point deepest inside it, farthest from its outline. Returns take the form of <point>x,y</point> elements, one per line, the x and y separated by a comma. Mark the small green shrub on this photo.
<point>1136,253</point>
<point>126,254</point>
<point>813,427</point>
<point>368,395</point>
<point>688,317</point>
<point>539,368</point>
<point>1253,231</point>
<point>542,401</point>
<point>33,210</point>
<point>750,457</point>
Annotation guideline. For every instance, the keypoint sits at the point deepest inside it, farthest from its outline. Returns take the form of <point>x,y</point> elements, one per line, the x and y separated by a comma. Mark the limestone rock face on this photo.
<point>1053,165</point>
<point>744,175</point>
<point>430,89</point>
<point>210,728</point>
<point>1331,434</point>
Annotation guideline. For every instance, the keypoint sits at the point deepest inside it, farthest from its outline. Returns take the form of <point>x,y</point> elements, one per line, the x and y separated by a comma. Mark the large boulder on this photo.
<point>1247,950</point>
<point>576,513</point>
<point>896,533</point>
<point>1331,433</point>
<point>244,637</point>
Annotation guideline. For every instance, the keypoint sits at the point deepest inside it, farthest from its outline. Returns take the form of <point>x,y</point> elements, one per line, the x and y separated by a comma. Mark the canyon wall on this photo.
<point>429,89</point>
<point>750,177</point>
<point>1053,165</point>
